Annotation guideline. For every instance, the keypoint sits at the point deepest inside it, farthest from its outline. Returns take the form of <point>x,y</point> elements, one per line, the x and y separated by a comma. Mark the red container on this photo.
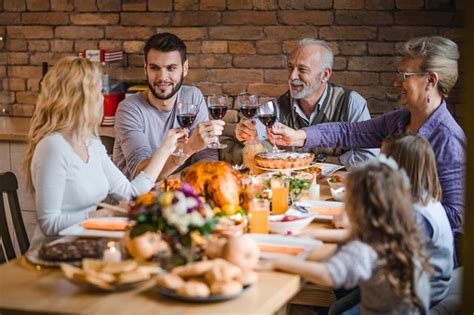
<point>111,102</point>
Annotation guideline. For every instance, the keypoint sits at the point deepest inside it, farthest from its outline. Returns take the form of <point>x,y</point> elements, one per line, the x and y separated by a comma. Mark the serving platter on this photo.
<point>211,298</point>
<point>323,210</point>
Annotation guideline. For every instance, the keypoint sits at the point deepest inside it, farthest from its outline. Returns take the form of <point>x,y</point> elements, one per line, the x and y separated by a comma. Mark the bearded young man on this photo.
<point>312,99</point>
<point>143,119</point>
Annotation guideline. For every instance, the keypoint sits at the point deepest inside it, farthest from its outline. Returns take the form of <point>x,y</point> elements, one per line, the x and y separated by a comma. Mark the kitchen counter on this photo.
<point>16,129</point>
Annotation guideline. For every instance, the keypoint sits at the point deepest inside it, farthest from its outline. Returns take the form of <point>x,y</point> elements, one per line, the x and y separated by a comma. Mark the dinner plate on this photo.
<point>307,244</point>
<point>78,230</point>
<point>326,209</point>
<point>211,298</point>
<point>113,288</point>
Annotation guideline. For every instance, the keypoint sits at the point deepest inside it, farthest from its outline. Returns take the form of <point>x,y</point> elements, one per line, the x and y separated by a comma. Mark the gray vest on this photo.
<point>334,108</point>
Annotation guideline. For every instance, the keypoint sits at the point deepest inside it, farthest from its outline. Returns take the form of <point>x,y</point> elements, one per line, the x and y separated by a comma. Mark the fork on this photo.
<point>299,208</point>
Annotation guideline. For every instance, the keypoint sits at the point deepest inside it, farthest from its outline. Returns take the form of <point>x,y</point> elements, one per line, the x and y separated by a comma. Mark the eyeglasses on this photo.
<point>402,76</point>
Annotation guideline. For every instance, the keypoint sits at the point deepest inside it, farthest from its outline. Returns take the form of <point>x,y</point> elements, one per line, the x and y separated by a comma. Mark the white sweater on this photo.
<point>67,188</point>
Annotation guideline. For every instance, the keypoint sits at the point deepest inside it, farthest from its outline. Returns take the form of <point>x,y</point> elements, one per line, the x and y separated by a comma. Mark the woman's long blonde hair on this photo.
<point>415,155</point>
<point>70,100</point>
<point>380,210</point>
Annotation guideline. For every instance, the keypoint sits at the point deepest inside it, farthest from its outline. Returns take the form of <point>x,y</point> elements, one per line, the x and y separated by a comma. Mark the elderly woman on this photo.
<point>66,163</point>
<point>426,74</point>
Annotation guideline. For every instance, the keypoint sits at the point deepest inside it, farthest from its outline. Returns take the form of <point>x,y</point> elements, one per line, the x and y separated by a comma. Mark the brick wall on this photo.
<point>234,45</point>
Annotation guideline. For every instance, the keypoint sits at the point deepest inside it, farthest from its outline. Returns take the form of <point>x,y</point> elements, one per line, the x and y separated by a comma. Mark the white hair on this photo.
<point>327,56</point>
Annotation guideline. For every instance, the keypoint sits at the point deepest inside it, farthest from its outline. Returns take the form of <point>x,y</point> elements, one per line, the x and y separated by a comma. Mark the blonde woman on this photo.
<point>384,254</point>
<point>66,163</point>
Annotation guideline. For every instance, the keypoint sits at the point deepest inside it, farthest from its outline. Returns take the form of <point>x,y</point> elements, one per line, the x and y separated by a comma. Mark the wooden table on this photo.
<point>25,289</point>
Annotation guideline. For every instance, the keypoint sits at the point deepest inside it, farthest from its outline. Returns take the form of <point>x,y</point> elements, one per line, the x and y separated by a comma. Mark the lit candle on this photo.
<point>112,254</point>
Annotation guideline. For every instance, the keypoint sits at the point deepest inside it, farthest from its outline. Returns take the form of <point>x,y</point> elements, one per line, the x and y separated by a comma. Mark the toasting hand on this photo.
<point>286,136</point>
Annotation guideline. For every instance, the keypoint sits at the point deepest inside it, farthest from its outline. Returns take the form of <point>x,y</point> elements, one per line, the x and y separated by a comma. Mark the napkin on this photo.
<point>107,225</point>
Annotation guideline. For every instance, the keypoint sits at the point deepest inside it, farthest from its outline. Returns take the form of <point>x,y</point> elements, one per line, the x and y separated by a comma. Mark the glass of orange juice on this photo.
<point>259,210</point>
<point>280,190</point>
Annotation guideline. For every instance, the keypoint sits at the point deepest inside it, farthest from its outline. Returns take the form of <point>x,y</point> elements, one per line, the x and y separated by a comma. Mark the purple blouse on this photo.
<point>441,130</point>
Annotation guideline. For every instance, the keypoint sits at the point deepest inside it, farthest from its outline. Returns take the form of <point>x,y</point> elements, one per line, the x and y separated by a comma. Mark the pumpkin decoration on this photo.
<point>216,181</point>
<point>242,251</point>
<point>144,246</point>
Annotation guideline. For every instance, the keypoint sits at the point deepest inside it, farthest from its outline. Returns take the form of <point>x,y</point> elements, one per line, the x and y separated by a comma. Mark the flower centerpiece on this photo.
<point>181,217</point>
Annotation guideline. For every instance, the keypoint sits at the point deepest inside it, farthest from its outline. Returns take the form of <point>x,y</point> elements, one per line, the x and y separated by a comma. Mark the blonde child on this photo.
<point>415,155</point>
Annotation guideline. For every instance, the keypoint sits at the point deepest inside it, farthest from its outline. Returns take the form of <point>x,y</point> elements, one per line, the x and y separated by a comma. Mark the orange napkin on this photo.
<point>326,210</point>
<point>269,248</point>
<point>107,225</point>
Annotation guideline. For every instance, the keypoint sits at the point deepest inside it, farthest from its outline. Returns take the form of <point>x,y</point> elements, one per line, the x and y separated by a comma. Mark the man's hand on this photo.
<point>205,133</point>
<point>246,130</point>
<point>286,136</point>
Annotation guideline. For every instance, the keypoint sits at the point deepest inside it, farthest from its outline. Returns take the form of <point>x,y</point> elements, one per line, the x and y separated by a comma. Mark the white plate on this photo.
<point>329,168</point>
<point>78,230</point>
<point>316,204</point>
<point>307,243</point>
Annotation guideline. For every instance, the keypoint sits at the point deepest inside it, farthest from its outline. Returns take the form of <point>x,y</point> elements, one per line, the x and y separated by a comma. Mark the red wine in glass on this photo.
<point>249,112</point>
<point>217,106</point>
<point>186,120</point>
<point>267,119</point>
<point>217,112</point>
<point>185,115</point>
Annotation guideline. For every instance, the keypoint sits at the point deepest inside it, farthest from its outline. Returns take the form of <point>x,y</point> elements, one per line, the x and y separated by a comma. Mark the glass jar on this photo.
<point>251,148</point>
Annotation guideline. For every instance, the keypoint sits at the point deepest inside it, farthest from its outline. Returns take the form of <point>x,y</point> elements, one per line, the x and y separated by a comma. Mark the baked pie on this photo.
<point>283,160</point>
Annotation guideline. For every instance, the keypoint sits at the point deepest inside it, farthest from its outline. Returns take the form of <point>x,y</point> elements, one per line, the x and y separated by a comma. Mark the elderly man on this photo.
<point>143,119</point>
<point>312,99</point>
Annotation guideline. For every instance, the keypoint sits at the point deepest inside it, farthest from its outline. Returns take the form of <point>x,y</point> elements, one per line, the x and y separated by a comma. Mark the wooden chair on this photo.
<point>108,142</point>
<point>9,186</point>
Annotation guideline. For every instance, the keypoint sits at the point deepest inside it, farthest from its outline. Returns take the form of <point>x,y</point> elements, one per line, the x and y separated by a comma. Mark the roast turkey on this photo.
<point>217,181</point>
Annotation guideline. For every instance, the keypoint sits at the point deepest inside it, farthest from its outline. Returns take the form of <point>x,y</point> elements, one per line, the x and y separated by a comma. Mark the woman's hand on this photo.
<point>246,130</point>
<point>172,138</point>
<point>286,136</point>
<point>205,133</point>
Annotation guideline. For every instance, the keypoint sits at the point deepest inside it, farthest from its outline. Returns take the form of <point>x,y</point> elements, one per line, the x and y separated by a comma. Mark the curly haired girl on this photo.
<point>384,255</point>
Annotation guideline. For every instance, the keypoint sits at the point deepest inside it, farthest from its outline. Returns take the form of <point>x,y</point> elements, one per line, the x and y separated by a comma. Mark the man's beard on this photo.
<point>171,94</point>
<point>305,92</point>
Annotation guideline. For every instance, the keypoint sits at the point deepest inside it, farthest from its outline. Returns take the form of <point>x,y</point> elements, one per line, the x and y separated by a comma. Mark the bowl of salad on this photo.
<point>299,182</point>
<point>337,181</point>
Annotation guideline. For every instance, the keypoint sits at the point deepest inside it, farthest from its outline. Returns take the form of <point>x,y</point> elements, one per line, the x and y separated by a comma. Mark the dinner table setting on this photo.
<point>195,244</point>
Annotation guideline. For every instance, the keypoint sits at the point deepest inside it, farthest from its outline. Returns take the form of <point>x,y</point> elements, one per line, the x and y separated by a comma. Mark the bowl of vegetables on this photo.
<point>337,184</point>
<point>299,182</point>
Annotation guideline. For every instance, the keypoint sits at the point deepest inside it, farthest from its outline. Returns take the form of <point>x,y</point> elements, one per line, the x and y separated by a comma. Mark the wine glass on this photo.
<point>185,114</point>
<point>247,103</point>
<point>268,113</point>
<point>217,105</point>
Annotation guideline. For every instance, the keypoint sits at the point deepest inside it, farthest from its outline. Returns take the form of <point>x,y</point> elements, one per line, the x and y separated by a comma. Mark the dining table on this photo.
<point>28,288</point>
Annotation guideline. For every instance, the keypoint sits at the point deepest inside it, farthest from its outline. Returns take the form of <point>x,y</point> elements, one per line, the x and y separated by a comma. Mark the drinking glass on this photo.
<point>185,114</point>
<point>247,104</point>
<point>259,210</point>
<point>268,114</point>
<point>217,105</point>
<point>280,192</point>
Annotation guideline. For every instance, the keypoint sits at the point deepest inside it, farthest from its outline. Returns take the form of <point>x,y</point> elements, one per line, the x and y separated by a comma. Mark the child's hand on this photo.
<point>341,221</point>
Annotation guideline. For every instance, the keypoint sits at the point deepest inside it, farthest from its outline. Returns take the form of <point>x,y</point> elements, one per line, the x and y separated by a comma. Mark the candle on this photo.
<point>112,254</point>
<point>314,192</point>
